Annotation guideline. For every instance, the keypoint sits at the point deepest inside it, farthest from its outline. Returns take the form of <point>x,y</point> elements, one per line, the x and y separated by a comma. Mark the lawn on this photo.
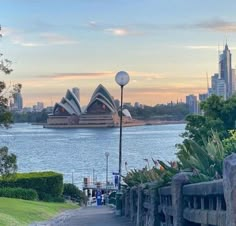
<point>18,212</point>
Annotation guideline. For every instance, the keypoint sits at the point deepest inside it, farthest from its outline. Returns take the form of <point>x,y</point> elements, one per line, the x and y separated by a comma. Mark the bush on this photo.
<point>50,183</point>
<point>112,198</point>
<point>74,193</point>
<point>49,198</point>
<point>19,193</point>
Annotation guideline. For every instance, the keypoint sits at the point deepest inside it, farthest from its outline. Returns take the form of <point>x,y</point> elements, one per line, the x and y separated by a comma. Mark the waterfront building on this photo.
<point>101,111</point>
<point>225,70</point>
<point>65,112</point>
<point>192,103</point>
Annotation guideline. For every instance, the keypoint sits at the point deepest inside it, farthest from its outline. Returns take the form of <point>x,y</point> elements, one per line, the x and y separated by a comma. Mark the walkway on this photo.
<point>89,216</point>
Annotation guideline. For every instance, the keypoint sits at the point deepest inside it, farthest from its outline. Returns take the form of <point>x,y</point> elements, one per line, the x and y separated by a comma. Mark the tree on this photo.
<point>8,164</point>
<point>7,161</point>
<point>219,116</point>
<point>6,92</point>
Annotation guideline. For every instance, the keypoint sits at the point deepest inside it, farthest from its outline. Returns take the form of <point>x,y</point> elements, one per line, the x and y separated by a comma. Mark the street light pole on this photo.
<point>122,78</point>
<point>120,142</point>
<point>107,155</point>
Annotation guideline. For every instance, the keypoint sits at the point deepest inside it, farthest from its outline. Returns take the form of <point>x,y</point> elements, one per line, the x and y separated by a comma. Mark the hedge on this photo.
<point>50,183</point>
<point>70,190</point>
<point>19,193</point>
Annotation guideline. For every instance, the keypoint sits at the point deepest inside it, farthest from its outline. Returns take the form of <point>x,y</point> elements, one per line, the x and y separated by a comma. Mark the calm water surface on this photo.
<point>82,151</point>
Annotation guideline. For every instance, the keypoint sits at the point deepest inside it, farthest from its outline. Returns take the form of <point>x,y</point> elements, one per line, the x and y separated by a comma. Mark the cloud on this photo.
<point>113,29</point>
<point>56,39</point>
<point>168,90</point>
<point>117,31</point>
<point>218,25</point>
<point>71,76</point>
<point>206,47</point>
<point>25,39</point>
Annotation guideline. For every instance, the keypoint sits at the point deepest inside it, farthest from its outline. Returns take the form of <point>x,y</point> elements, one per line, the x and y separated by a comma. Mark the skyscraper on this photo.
<point>18,101</point>
<point>214,80</point>
<point>192,104</point>
<point>233,81</point>
<point>225,70</point>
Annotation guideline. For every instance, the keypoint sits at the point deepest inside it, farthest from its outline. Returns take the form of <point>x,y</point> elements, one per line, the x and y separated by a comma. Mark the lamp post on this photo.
<point>72,176</point>
<point>122,79</point>
<point>107,155</point>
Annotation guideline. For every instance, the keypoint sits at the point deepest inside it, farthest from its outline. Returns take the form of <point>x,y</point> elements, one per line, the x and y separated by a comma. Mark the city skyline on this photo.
<point>167,48</point>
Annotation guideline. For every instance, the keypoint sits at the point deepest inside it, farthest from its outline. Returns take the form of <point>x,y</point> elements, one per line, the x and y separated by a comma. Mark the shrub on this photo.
<point>74,193</point>
<point>19,193</point>
<point>50,183</point>
<point>112,198</point>
<point>49,198</point>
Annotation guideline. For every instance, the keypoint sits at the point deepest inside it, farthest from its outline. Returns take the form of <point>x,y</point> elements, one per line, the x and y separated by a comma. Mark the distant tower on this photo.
<point>214,80</point>
<point>225,70</point>
<point>233,81</point>
<point>192,104</point>
<point>75,90</point>
<point>18,101</point>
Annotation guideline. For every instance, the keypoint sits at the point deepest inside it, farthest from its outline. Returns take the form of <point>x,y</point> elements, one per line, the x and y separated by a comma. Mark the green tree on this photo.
<point>7,161</point>
<point>219,115</point>
<point>8,164</point>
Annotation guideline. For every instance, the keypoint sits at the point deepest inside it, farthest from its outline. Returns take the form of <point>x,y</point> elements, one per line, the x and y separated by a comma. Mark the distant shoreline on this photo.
<point>131,124</point>
<point>164,122</point>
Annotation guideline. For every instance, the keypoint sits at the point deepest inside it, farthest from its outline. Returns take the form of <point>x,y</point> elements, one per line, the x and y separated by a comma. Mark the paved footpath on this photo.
<point>89,216</point>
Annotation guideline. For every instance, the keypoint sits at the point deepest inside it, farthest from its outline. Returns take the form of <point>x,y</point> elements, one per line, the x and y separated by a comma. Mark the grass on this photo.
<point>18,212</point>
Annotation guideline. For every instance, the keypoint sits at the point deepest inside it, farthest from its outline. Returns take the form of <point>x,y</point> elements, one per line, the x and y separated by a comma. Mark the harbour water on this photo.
<point>79,153</point>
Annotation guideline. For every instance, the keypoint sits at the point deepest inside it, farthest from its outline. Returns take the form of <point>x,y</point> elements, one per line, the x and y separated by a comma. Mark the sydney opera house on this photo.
<point>101,111</point>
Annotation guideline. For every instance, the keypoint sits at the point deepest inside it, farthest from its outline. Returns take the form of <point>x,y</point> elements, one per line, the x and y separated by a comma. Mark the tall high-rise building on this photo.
<point>18,102</point>
<point>225,70</point>
<point>214,80</point>
<point>233,81</point>
<point>192,104</point>
<point>76,91</point>
<point>221,88</point>
<point>202,96</point>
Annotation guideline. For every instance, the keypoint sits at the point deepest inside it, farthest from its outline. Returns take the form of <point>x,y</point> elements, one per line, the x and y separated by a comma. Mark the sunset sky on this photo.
<point>167,47</point>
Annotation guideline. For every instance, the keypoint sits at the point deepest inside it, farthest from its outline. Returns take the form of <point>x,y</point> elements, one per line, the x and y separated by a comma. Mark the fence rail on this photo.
<point>183,204</point>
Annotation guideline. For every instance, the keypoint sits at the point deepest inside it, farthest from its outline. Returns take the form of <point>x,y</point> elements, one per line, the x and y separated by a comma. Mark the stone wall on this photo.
<point>183,204</point>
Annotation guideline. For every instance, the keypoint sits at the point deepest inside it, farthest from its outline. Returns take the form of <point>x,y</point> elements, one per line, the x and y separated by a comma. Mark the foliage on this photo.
<point>163,174</point>
<point>112,198</point>
<point>8,164</point>
<point>24,212</point>
<point>6,92</point>
<point>74,193</point>
<point>19,193</point>
<point>32,117</point>
<point>45,183</point>
<point>219,116</point>
<point>160,112</point>
<point>230,143</point>
<point>205,161</point>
